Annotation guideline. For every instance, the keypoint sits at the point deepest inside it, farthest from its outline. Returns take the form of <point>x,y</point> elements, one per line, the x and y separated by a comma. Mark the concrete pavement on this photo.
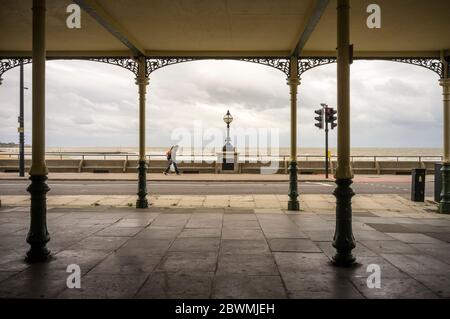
<point>307,201</point>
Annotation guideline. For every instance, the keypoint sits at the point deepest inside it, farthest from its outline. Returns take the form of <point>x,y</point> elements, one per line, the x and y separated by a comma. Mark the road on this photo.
<point>208,188</point>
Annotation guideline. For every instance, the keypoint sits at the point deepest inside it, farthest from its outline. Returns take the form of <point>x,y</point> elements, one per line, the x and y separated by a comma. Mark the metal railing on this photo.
<point>242,157</point>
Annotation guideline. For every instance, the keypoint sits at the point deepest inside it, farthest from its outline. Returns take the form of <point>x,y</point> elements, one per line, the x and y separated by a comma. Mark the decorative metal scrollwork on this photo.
<point>281,64</point>
<point>434,65</point>
<point>310,63</point>
<point>126,63</point>
<point>8,64</point>
<point>154,64</point>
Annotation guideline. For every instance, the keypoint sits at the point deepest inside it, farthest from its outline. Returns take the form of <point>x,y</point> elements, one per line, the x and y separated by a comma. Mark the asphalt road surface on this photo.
<point>206,188</point>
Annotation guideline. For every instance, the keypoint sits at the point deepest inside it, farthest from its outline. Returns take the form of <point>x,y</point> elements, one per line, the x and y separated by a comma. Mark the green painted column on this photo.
<point>343,239</point>
<point>142,82</point>
<point>444,205</point>
<point>293,81</point>
<point>38,235</point>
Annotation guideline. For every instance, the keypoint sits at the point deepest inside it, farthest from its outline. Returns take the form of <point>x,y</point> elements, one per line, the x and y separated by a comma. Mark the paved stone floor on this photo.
<point>229,252</point>
<point>308,201</point>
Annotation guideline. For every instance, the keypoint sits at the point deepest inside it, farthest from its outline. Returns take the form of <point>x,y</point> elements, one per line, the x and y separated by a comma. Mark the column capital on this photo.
<point>142,80</point>
<point>343,5</point>
<point>39,5</point>
<point>443,82</point>
<point>293,80</point>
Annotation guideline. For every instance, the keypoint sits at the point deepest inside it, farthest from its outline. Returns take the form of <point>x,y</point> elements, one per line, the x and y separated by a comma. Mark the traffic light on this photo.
<point>319,119</point>
<point>331,117</point>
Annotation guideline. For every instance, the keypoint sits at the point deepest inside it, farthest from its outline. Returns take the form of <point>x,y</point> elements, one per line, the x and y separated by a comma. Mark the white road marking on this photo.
<point>317,183</point>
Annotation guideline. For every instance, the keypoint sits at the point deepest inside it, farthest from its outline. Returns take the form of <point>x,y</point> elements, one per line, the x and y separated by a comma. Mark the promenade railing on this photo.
<point>196,157</point>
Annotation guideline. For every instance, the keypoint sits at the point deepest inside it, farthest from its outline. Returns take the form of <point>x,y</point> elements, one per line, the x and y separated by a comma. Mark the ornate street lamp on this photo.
<point>227,118</point>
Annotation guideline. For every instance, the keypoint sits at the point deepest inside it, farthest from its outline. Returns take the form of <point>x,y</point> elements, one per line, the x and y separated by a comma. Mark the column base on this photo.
<point>38,235</point>
<point>444,204</point>
<point>142,201</point>
<point>37,254</point>
<point>343,259</point>
<point>343,239</point>
<point>293,203</point>
<point>444,208</point>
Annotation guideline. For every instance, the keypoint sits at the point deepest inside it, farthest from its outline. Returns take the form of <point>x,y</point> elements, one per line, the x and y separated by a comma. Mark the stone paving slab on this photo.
<point>227,252</point>
<point>388,205</point>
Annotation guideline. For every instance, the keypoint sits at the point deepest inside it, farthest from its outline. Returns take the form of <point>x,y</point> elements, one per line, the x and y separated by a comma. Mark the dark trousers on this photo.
<point>174,165</point>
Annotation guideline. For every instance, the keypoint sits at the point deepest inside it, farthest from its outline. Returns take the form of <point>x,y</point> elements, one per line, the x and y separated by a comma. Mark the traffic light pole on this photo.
<point>326,116</point>
<point>21,127</point>
<point>326,148</point>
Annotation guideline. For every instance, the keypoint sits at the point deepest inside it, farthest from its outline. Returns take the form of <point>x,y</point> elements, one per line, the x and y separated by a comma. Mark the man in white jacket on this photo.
<point>172,158</point>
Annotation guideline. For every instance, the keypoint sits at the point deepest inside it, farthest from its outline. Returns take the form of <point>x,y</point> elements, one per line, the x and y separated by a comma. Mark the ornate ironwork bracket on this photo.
<point>154,64</point>
<point>434,65</point>
<point>126,63</point>
<point>281,64</point>
<point>306,64</point>
<point>8,64</point>
<point>431,64</point>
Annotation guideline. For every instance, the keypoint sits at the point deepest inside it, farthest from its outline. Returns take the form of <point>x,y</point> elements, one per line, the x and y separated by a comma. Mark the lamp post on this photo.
<point>228,119</point>
<point>228,155</point>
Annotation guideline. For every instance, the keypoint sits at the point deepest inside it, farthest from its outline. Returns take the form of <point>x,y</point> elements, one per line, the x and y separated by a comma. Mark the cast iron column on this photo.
<point>142,82</point>
<point>293,81</point>
<point>326,146</point>
<point>21,126</point>
<point>343,239</point>
<point>38,235</point>
<point>444,205</point>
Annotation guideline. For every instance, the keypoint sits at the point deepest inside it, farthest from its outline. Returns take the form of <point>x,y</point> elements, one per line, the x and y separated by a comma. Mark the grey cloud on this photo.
<point>394,86</point>
<point>83,120</point>
<point>250,85</point>
<point>95,104</point>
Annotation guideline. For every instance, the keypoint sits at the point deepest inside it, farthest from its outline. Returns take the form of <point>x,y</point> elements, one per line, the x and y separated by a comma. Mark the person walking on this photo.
<point>172,159</point>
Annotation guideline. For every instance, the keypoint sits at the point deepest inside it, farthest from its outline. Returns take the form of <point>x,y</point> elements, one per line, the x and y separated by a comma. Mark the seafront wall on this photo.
<point>278,166</point>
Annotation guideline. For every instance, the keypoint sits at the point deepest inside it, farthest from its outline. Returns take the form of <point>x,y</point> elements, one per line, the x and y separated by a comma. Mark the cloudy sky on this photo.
<point>95,104</point>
